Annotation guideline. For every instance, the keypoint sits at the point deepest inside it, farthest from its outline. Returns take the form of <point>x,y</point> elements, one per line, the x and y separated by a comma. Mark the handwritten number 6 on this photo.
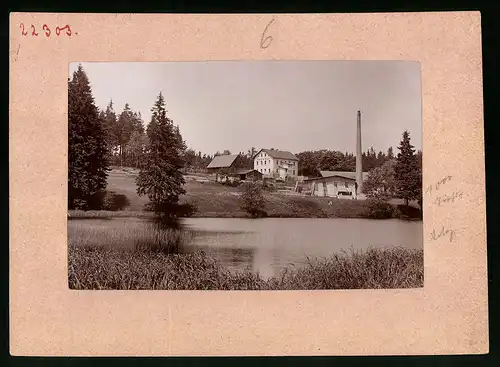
<point>33,33</point>
<point>268,38</point>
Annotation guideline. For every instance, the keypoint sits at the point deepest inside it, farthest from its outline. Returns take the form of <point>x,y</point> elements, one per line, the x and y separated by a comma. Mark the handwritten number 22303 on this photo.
<point>46,29</point>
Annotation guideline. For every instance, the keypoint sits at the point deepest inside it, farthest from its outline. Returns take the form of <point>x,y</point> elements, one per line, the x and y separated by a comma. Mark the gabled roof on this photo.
<point>278,154</point>
<point>223,161</point>
<point>345,174</point>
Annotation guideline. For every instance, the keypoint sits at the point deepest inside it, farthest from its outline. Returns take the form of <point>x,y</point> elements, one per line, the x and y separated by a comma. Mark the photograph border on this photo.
<point>447,316</point>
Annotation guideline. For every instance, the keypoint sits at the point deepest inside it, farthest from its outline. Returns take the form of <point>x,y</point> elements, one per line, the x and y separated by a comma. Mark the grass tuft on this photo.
<point>138,236</point>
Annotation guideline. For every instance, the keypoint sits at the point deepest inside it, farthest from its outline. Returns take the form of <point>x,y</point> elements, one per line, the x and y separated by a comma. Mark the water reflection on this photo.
<point>235,259</point>
<point>268,245</point>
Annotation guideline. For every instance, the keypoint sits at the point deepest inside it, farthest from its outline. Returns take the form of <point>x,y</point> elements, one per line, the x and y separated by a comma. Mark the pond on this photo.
<point>267,245</point>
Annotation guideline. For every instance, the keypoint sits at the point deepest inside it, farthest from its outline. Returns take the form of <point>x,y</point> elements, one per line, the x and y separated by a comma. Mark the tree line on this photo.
<point>98,139</point>
<point>312,162</point>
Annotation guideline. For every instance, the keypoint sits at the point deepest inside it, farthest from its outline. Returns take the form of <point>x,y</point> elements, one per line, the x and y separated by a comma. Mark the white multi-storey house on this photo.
<point>276,163</point>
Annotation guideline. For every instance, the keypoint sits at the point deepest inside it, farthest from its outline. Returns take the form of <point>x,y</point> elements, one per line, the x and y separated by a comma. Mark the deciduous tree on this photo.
<point>380,182</point>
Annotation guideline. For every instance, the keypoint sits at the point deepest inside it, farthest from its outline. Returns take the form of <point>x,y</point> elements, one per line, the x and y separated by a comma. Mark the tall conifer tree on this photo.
<point>406,171</point>
<point>87,148</point>
<point>161,178</point>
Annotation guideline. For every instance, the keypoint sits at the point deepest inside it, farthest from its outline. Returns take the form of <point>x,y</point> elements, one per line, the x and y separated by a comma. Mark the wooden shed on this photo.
<point>249,175</point>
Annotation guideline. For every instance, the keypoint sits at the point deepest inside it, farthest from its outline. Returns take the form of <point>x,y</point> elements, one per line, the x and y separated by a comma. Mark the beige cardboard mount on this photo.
<point>447,316</point>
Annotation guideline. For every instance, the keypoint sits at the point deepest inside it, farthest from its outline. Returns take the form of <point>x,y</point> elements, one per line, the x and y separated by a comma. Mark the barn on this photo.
<point>226,166</point>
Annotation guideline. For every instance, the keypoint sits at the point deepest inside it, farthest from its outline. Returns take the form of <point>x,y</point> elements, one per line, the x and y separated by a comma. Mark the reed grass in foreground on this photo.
<point>93,267</point>
<point>130,235</point>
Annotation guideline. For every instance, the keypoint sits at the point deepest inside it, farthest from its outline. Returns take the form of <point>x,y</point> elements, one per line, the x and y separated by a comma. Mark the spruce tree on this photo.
<point>87,148</point>
<point>109,118</point>
<point>124,128</point>
<point>135,148</point>
<point>161,178</point>
<point>138,123</point>
<point>390,153</point>
<point>406,171</point>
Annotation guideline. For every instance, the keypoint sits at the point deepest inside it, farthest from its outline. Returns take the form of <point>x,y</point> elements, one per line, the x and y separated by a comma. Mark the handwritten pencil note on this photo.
<point>435,187</point>
<point>442,198</point>
<point>442,232</point>
<point>265,42</point>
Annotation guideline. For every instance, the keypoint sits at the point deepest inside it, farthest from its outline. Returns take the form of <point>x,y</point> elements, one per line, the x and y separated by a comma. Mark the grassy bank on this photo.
<point>97,267</point>
<point>214,200</point>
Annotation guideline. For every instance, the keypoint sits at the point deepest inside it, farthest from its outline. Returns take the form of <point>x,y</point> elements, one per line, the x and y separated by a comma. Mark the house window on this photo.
<point>276,170</point>
<point>293,172</point>
<point>346,184</point>
<point>335,184</point>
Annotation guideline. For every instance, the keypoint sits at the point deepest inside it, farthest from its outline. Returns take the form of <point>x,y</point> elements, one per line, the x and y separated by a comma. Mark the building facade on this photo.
<point>341,185</point>
<point>334,186</point>
<point>278,164</point>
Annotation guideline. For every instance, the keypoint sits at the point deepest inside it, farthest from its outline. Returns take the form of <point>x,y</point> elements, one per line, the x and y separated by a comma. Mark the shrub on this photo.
<point>187,209</point>
<point>269,186</point>
<point>378,209</point>
<point>234,183</point>
<point>172,211</point>
<point>107,200</point>
<point>253,201</point>
<point>407,212</point>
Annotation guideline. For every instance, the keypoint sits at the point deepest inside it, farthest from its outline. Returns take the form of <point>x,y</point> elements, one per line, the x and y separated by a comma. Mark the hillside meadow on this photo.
<point>214,200</point>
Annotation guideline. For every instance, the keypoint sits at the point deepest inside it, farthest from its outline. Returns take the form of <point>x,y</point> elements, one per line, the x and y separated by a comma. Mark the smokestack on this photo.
<point>359,155</point>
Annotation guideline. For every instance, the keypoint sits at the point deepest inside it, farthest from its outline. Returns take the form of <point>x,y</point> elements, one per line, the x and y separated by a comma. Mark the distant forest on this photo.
<point>125,132</point>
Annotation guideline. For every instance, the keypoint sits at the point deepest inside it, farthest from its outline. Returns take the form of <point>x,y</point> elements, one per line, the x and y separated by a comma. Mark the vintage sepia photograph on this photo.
<point>245,175</point>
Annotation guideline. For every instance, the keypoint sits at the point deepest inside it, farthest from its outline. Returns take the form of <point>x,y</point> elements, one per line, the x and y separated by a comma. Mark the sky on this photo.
<point>286,105</point>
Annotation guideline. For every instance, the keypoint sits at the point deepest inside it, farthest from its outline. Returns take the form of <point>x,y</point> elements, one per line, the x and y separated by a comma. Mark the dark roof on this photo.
<point>344,174</point>
<point>245,171</point>
<point>278,154</point>
<point>329,177</point>
<point>222,161</point>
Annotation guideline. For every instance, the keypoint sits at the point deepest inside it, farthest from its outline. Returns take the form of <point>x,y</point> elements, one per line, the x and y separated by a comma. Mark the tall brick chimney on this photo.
<point>359,156</point>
